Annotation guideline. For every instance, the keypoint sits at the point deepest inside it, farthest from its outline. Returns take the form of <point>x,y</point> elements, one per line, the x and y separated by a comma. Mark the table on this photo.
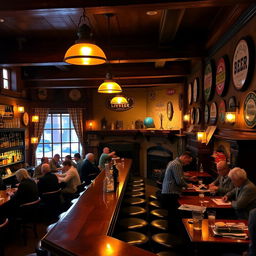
<point>198,174</point>
<point>4,197</point>
<point>207,201</point>
<point>87,227</point>
<point>204,243</point>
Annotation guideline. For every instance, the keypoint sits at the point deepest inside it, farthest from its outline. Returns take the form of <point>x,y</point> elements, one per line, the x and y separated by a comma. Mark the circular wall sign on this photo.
<point>75,94</point>
<point>232,104</point>
<point>242,65</point>
<point>222,111</point>
<point>190,93</point>
<point>206,114</point>
<point>192,115</point>
<point>222,76</point>
<point>25,118</point>
<point>250,109</point>
<point>208,81</point>
<point>169,110</point>
<point>197,116</point>
<point>213,113</point>
<point>195,89</point>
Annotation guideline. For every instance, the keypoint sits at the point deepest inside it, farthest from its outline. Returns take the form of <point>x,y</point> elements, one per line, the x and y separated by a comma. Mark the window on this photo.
<point>59,137</point>
<point>6,79</point>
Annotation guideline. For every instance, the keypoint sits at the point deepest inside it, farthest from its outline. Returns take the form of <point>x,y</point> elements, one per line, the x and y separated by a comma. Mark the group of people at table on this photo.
<point>232,185</point>
<point>50,177</point>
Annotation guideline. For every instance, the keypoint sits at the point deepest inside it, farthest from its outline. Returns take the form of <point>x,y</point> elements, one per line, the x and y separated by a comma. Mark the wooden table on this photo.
<point>198,174</point>
<point>86,228</point>
<point>204,243</point>
<point>4,197</point>
<point>207,201</point>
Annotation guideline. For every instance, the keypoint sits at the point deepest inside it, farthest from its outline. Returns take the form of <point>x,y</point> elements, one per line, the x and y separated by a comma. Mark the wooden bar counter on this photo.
<point>87,227</point>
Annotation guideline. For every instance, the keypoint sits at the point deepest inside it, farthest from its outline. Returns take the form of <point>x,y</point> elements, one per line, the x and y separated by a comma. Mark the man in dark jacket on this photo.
<point>88,170</point>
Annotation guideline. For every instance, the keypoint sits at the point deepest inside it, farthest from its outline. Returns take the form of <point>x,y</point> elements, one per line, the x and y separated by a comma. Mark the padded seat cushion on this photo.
<point>132,223</point>
<point>160,224</point>
<point>134,201</point>
<point>133,210</point>
<point>166,239</point>
<point>160,213</point>
<point>133,238</point>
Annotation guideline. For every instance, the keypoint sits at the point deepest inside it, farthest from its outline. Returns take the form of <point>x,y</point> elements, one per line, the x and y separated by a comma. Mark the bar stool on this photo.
<point>165,240</point>
<point>133,211</point>
<point>154,204</point>
<point>152,197</point>
<point>137,179</point>
<point>133,238</point>
<point>132,223</point>
<point>159,224</point>
<point>159,213</point>
<point>135,194</point>
<point>134,201</point>
<point>135,189</point>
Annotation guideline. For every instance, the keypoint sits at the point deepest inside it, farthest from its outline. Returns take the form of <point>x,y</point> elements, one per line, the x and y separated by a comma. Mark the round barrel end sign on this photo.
<point>242,63</point>
<point>221,76</point>
<point>250,109</point>
<point>208,81</point>
<point>222,111</point>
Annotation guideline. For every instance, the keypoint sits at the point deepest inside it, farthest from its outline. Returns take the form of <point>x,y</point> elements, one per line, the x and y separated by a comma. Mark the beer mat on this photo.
<point>219,201</point>
<point>190,207</point>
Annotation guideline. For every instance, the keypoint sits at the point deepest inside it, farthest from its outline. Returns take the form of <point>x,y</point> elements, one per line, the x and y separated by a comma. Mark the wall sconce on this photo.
<point>90,124</point>
<point>35,119</point>
<point>230,117</point>
<point>34,140</point>
<point>201,136</point>
<point>21,109</point>
<point>186,118</point>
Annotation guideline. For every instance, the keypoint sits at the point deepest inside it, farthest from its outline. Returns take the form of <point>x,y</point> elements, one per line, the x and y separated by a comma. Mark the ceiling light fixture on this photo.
<point>151,13</point>
<point>109,85</point>
<point>84,51</point>
<point>118,100</point>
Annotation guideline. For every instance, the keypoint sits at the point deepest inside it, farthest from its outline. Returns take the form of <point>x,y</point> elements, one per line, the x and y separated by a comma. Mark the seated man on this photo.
<point>252,233</point>
<point>223,183</point>
<point>48,182</point>
<point>37,172</point>
<point>54,163</point>
<point>243,196</point>
<point>70,176</point>
<point>79,162</point>
<point>88,170</point>
<point>68,157</point>
<point>105,157</point>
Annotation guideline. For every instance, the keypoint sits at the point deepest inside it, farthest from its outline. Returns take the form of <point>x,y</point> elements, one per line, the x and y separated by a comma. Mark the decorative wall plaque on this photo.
<point>192,115</point>
<point>75,95</point>
<point>250,109</point>
<point>222,75</point>
<point>213,113</point>
<point>222,111</point>
<point>206,114</point>
<point>120,107</point>
<point>6,111</point>
<point>198,116</point>
<point>232,104</point>
<point>243,62</point>
<point>195,89</point>
<point>209,80</point>
<point>190,89</point>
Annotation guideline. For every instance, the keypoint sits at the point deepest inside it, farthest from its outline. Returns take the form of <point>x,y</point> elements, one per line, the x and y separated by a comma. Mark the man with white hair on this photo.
<point>88,170</point>
<point>243,196</point>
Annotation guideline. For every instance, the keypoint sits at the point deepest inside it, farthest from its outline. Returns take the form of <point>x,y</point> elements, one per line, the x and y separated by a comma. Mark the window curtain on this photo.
<point>76,115</point>
<point>39,128</point>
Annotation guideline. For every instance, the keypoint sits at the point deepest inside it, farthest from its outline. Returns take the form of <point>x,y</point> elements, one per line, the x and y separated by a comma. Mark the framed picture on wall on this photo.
<point>243,63</point>
<point>213,113</point>
<point>222,75</point>
<point>209,81</point>
<point>222,111</point>
<point>250,109</point>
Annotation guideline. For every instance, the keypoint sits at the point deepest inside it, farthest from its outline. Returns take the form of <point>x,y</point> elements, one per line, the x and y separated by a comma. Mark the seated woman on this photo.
<point>27,192</point>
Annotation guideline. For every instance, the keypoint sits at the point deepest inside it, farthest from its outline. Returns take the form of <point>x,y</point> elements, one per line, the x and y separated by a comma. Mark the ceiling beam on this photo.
<point>104,6</point>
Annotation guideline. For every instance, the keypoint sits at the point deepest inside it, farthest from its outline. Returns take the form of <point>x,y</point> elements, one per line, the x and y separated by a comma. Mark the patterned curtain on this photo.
<point>39,128</point>
<point>76,115</point>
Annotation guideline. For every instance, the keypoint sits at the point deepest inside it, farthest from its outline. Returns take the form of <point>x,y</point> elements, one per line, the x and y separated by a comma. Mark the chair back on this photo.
<point>29,211</point>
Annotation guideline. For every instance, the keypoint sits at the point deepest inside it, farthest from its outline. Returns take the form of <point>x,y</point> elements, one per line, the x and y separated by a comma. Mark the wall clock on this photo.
<point>206,114</point>
<point>250,109</point>
<point>243,62</point>
<point>209,81</point>
<point>195,89</point>
<point>190,89</point>
<point>213,113</point>
<point>25,118</point>
<point>75,94</point>
<point>169,110</point>
<point>222,111</point>
<point>222,75</point>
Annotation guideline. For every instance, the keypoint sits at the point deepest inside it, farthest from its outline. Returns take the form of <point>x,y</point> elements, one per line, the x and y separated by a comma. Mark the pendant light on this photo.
<point>119,99</point>
<point>84,51</point>
<point>109,85</point>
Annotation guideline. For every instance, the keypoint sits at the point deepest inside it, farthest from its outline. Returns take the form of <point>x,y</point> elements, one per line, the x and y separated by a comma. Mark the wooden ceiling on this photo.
<point>146,50</point>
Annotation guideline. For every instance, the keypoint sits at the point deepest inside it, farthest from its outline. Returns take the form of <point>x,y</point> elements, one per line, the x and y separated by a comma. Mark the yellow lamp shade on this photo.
<point>85,54</point>
<point>230,117</point>
<point>21,109</point>
<point>119,100</point>
<point>201,136</point>
<point>34,140</point>
<point>35,119</point>
<point>109,86</point>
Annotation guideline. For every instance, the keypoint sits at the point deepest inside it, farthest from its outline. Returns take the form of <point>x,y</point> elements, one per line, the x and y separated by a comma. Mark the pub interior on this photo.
<point>161,162</point>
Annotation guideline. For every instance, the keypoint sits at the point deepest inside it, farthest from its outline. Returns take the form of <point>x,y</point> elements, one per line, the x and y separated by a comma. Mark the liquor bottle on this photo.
<point>115,175</point>
<point>201,169</point>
